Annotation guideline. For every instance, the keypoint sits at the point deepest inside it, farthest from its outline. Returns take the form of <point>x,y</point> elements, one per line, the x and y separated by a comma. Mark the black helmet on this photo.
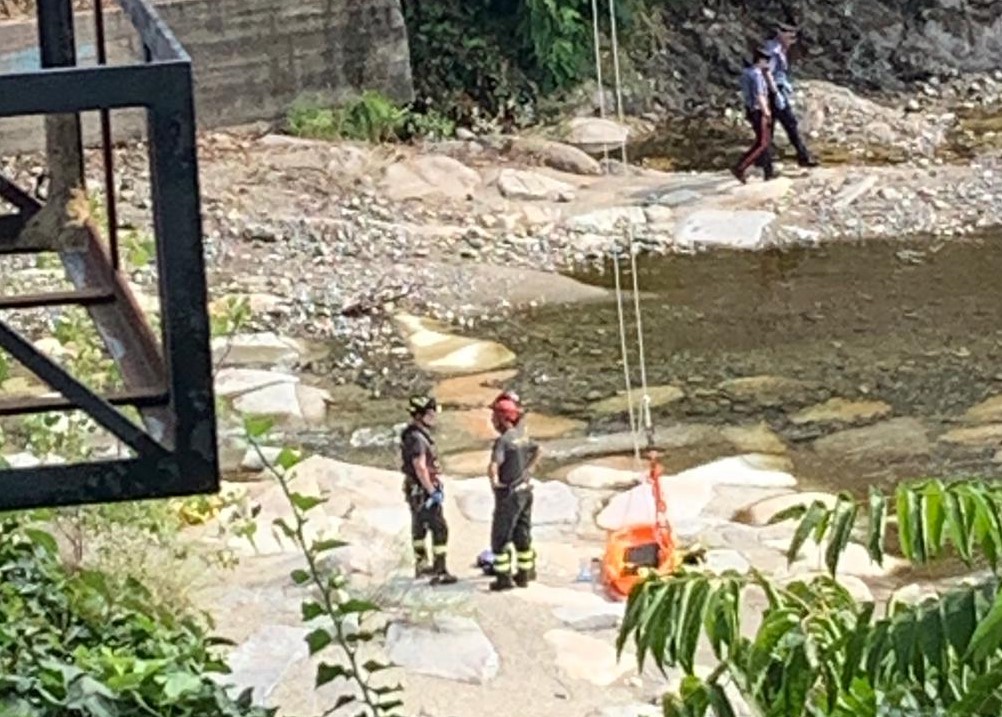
<point>420,405</point>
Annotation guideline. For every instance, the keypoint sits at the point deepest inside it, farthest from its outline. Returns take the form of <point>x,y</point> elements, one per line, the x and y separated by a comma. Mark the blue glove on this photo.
<point>436,498</point>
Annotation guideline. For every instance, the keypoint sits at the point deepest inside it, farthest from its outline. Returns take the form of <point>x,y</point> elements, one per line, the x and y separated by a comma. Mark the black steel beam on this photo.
<point>83,89</point>
<point>155,34</point>
<point>10,229</point>
<point>103,413</point>
<point>18,406</point>
<point>17,197</point>
<point>103,482</point>
<point>86,297</point>
<point>184,301</point>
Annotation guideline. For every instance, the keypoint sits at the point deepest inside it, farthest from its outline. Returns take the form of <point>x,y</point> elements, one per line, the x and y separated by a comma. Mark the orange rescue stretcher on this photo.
<point>638,551</point>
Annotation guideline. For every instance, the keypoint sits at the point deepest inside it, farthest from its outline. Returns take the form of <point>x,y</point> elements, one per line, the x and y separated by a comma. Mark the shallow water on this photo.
<point>914,324</point>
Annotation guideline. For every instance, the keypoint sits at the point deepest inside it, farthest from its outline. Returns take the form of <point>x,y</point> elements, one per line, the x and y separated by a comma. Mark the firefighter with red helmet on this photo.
<point>423,491</point>
<point>513,458</point>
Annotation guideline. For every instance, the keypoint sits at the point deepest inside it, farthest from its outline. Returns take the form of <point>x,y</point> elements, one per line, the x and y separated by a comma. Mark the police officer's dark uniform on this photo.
<point>512,459</point>
<point>427,514</point>
<point>781,92</point>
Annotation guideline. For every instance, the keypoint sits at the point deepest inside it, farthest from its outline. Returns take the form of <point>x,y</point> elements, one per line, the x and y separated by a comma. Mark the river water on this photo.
<point>915,325</point>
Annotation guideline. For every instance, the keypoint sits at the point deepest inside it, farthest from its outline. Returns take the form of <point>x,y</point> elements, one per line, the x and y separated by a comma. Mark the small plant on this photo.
<point>340,615</point>
<point>431,124</point>
<point>372,117</point>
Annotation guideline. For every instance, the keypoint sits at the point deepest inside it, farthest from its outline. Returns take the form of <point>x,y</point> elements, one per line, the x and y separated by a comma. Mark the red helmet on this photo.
<point>507,408</point>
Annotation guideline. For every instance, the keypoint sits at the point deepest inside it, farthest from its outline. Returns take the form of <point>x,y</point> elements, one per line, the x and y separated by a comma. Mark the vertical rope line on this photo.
<point>626,361</point>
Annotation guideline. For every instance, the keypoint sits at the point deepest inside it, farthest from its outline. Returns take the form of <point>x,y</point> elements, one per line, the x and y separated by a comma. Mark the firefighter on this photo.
<point>513,460</point>
<point>424,491</point>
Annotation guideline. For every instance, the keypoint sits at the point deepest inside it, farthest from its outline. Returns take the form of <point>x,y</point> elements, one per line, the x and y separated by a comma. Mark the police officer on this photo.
<point>755,94</point>
<point>513,459</point>
<point>781,90</point>
<point>423,491</point>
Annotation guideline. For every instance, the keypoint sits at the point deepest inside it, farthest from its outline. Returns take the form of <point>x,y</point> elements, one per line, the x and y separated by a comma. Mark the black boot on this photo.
<point>502,582</point>
<point>522,578</point>
<point>423,570</point>
<point>440,575</point>
<point>807,161</point>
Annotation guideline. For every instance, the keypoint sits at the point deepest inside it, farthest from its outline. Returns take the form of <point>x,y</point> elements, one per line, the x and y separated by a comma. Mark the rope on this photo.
<point>598,72</point>
<point>626,360</point>
<point>648,423</point>
<point>619,83</point>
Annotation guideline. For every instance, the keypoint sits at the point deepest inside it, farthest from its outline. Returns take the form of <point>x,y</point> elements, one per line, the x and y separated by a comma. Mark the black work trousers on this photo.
<point>428,520</point>
<point>512,527</point>
<point>788,120</point>
<point>760,153</point>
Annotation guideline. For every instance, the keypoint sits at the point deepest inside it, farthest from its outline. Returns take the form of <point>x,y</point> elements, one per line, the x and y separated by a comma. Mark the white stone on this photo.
<point>524,185</point>
<point>442,352</point>
<point>595,134</point>
<point>762,512</point>
<point>602,478</point>
<point>723,560</point>
<point>734,229</point>
<point>453,648</point>
<point>854,191</point>
<point>21,460</point>
<point>586,658</point>
<point>428,175</point>
<point>235,381</point>
<point>659,217</point>
<point>578,608</point>
<point>598,617</point>
<point>390,520</point>
<point>252,460</point>
<point>256,349</point>
<point>286,400</point>
<point>263,661</point>
<point>553,503</point>
<point>606,221</point>
<point>557,155</point>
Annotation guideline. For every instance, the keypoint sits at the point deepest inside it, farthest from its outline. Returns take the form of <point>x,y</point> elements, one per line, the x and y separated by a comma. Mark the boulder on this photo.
<point>725,560</point>
<point>263,349</point>
<point>607,221</point>
<point>988,411</point>
<point>586,658</point>
<point>596,477</point>
<point>264,660</point>
<point>524,185</point>
<point>288,401</point>
<point>556,155</point>
<point>473,391</point>
<point>658,395</point>
<point>989,435</point>
<point>452,648</point>
<point>440,352</point>
<point>898,438</point>
<point>429,175</point>
<point>595,134</point>
<point>840,410</point>
<point>236,381</point>
<point>553,503</point>
<point>735,229</point>
<point>769,391</point>
<point>757,438</point>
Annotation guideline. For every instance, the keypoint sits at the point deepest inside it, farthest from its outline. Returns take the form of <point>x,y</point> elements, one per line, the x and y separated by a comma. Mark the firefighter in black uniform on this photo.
<point>512,461</point>
<point>423,490</point>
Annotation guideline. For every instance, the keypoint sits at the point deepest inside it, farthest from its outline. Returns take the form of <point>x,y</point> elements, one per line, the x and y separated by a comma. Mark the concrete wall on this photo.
<point>252,57</point>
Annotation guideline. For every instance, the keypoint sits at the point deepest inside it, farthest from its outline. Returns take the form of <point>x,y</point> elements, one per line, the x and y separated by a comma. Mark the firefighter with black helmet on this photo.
<point>424,491</point>
<point>513,459</point>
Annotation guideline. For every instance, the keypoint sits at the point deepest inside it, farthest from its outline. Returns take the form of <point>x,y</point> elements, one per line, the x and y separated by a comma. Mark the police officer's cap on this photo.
<point>786,27</point>
<point>420,405</point>
<point>762,53</point>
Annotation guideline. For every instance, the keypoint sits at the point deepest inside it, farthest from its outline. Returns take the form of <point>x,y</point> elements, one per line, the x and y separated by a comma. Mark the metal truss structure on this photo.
<point>167,378</point>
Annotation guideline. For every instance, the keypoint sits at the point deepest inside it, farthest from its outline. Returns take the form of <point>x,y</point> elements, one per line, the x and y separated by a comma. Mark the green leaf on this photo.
<point>285,528</point>
<point>903,511</point>
<point>956,525</point>
<point>375,666</point>
<point>326,673</point>
<point>960,617</point>
<point>842,524</point>
<point>341,701</point>
<point>935,518</point>
<point>810,522</point>
<point>311,610</point>
<point>982,690</point>
<point>257,426</point>
<point>318,640</point>
<point>794,512</point>
<point>43,540</point>
<point>300,577</point>
<point>692,612</point>
<point>987,636</point>
<point>177,684</point>
<point>323,546</point>
<point>719,701</point>
<point>289,458</point>
<point>877,526</point>
<point>353,606</point>
<point>306,503</point>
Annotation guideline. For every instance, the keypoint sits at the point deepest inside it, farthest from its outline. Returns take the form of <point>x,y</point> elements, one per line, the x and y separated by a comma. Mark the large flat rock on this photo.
<point>582,657</point>
<point>452,648</point>
<point>429,175</point>
<point>988,411</point>
<point>620,403</point>
<point>263,349</point>
<point>840,410</point>
<point>735,229</point>
<point>288,401</point>
<point>523,185</point>
<point>438,351</point>
<point>265,659</point>
<point>897,438</point>
<point>236,381</point>
<point>553,503</point>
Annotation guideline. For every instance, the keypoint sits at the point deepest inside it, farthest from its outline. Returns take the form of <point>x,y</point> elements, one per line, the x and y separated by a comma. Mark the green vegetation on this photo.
<point>369,118</point>
<point>818,651</point>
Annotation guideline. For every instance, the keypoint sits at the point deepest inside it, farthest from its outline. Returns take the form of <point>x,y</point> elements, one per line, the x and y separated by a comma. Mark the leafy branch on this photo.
<point>334,601</point>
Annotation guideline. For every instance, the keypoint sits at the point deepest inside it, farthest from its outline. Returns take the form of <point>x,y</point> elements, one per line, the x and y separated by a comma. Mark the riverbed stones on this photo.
<point>582,657</point>
<point>524,185</point>
<point>286,401</point>
<point>988,411</point>
<point>755,439</point>
<point>620,403</point>
<point>261,349</point>
<point>429,175</point>
<point>450,647</point>
<point>236,381</point>
<point>606,221</point>
<point>897,438</point>
<point>263,661</point>
<point>475,391</point>
<point>437,351</point>
<point>768,391</point>
<point>736,229</point>
<point>989,435</point>
<point>840,410</point>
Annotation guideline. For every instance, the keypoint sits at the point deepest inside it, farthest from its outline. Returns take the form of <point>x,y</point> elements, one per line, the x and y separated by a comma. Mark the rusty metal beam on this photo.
<point>17,406</point>
<point>87,297</point>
